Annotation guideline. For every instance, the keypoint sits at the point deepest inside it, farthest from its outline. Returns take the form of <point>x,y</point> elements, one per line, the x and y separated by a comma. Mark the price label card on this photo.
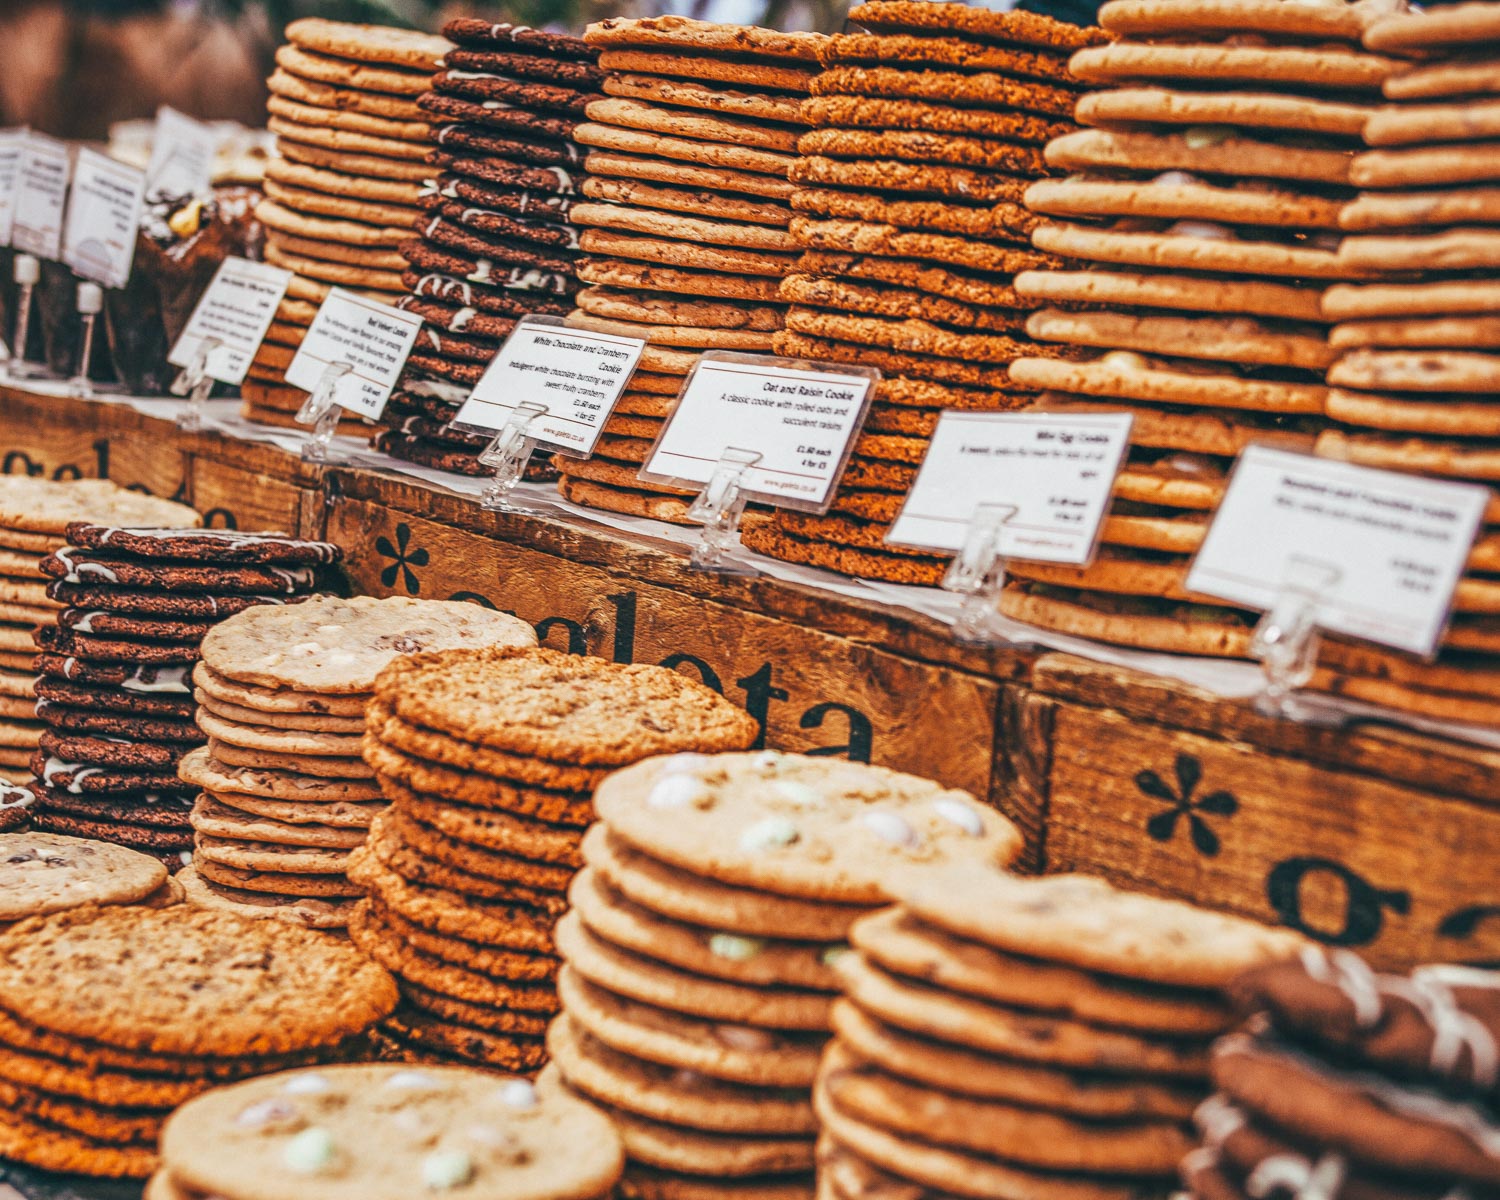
<point>1393,545</point>
<point>1057,469</point>
<point>237,308</point>
<point>576,373</point>
<point>104,215</point>
<point>11,143</point>
<point>800,420</point>
<point>182,155</point>
<point>41,196</point>
<point>373,339</point>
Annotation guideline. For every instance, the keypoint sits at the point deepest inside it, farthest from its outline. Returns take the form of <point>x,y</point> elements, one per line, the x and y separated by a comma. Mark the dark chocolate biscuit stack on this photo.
<point>1002,1036</point>
<point>343,193</point>
<point>1417,383</point>
<point>489,759</point>
<point>1205,200</point>
<point>928,124</point>
<point>685,221</point>
<point>115,691</point>
<point>497,242</point>
<point>1350,1084</point>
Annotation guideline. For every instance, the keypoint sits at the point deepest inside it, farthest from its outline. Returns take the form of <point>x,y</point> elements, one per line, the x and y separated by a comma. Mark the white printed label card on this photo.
<point>104,217</point>
<point>236,309</point>
<point>182,155</point>
<point>372,339</point>
<point>41,196</point>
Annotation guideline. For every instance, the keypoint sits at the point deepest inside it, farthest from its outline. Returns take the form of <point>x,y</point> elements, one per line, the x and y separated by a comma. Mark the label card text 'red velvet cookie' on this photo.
<point>576,374</point>
<point>1057,469</point>
<point>41,195</point>
<point>801,422</point>
<point>104,215</point>
<point>372,339</point>
<point>236,308</point>
<point>1389,547</point>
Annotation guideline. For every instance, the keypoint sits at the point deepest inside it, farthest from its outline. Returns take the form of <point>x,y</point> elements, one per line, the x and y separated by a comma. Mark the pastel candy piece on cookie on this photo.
<point>1254,110</point>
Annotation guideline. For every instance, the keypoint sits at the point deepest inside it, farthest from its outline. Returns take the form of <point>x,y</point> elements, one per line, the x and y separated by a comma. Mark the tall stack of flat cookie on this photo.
<point>1350,1083</point>
<point>114,692</point>
<point>1417,382</point>
<point>685,221</point>
<point>344,192</point>
<point>1003,1036</point>
<point>1205,198</point>
<point>928,125</point>
<point>111,1017</point>
<point>700,951</point>
<point>496,239</point>
<point>281,697</point>
<point>489,761</point>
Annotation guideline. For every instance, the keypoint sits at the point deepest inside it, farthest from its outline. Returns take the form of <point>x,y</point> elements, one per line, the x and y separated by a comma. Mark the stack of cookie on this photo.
<point>110,1017</point>
<point>45,873</point>
<point>496,239</point>
<point>1417,382</point>
<point>1011,1037</point>
<point>489,760</point>
<point>1350,1083</point>
<point>1205,197</point>
<point>343,194</point>
<point>928,125</point>
<point>114,690</point>
<point>362,1131</point>
<point>699,980</point>
<point>685,221</point>
<point>281,697</point>
<point>33,515</point>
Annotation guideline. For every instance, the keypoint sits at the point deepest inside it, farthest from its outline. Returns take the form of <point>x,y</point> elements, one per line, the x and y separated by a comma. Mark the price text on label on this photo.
<point>374,339</point>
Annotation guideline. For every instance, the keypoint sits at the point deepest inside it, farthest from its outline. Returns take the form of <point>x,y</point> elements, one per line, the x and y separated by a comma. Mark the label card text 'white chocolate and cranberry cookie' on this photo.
<point>41,196</point>
<point>236,310</point>
<point>1055,469</point>
<point>800,422</point>
<point>577,375</point>
<point>104,215</point>
<point>371,339</point>
<point>1387,549</point>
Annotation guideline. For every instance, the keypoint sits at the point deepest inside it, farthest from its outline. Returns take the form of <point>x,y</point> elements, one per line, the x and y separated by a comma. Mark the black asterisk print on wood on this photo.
<point>403,558</point>
<point>1163,826</point>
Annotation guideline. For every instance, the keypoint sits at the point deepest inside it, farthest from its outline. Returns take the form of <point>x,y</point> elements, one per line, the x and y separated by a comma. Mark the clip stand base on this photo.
<point>508,455</point>
<point>977,574</point>
<point>719,507</point>
<point>1286,641</point>
<point>321,411</point>
<point>195,383</point>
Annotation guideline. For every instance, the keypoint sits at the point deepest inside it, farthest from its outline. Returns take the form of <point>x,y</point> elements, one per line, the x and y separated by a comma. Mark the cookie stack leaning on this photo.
<point>928,124</point>
<point>1003,1036</point>
<point>700,950</point>
<point>489,760</point>
<point>352,1132</point>
<point>1205,199</point>
<point>115,691</point>
<point>685,219</point>
<point>496,239</point>
<point>281,696</point>
<point>45,873</point>
<point>1417,383</point>
<point>111,1017</point>
<point>34,513</point>
<point>1351,1083</point>
<point>342,195</point>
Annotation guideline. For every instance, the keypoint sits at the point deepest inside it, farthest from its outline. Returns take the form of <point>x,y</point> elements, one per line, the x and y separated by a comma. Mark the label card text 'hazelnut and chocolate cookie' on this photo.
<point>800,422</point>
<point>104,214</point>
<point>577,375</point>
<point>41,195</point>
<point>1055,469</point>
<point>371,339</point>
<point>1388,547</point>
<point>236,309</point>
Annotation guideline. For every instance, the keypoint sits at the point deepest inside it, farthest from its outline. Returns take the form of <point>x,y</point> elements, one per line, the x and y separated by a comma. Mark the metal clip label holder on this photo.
<point>1286,641</point>
<point>194,382</point>
<point>28,272</point>
<point>508,453</point>
<point>321,411</point>
<point>977,574</point>
<point>719,506</point>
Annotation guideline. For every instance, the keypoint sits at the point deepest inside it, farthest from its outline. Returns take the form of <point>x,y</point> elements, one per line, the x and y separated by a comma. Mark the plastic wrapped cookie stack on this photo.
<point>496,239</point>
<point>115,693</point>
<point>700,951</point>
<point>285,794</point>
<point>1352,1083</point>
<point>1205,197</point>
<point>1417,383</point>
<point>929,122</point>
<point>489,760</point>
<point>111,1017</point>
<point>343,193</point>
<point>1003,1036</point>
<point>685,218</point>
